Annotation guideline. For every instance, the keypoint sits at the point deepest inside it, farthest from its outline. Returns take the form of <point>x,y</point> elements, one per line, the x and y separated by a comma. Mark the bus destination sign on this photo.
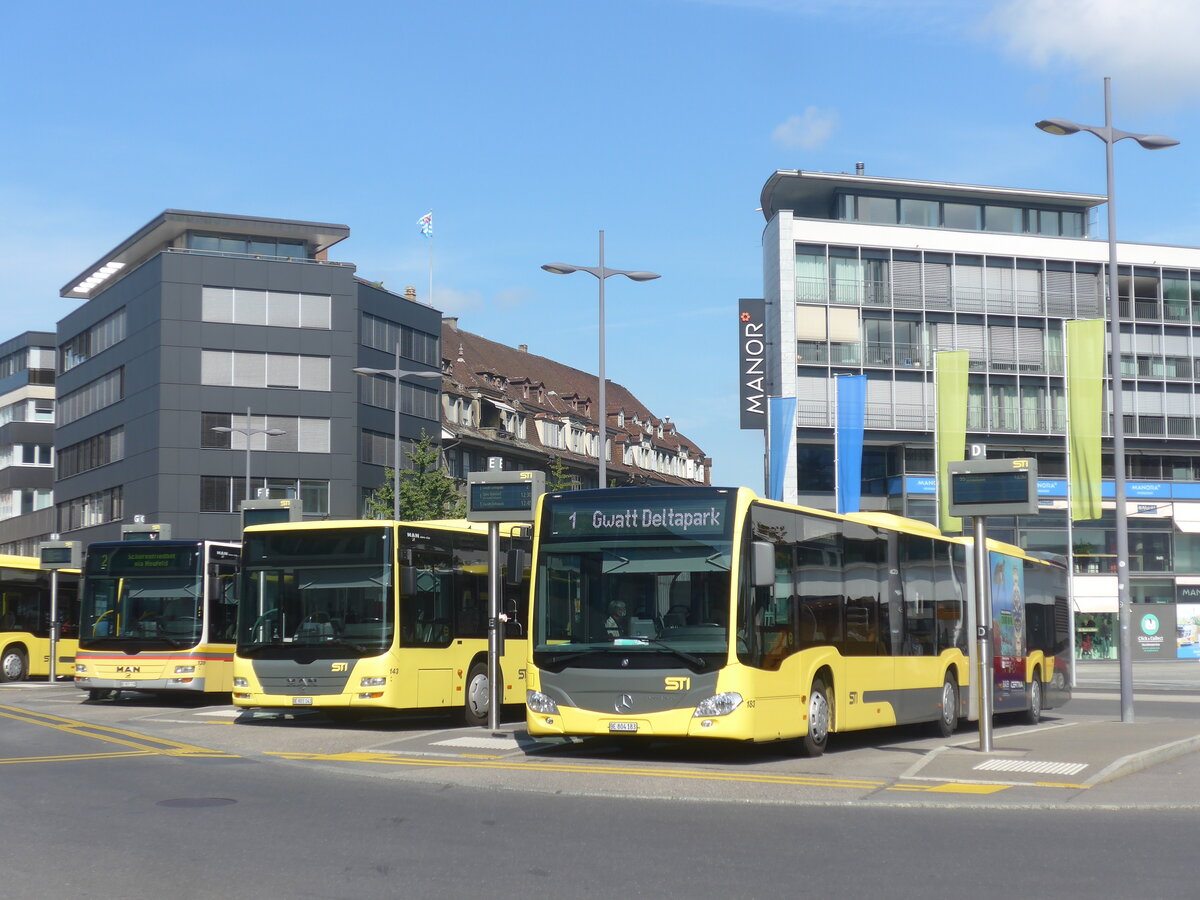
<point>698,519</point>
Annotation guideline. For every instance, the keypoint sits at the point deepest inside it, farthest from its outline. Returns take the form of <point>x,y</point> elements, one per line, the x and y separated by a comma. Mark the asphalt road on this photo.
<point>152,798</point>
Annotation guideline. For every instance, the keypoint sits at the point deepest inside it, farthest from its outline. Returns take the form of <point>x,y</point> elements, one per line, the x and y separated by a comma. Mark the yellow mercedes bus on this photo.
<point>25,619</point>
<point>712,613</point>
<point>157,616</point>
<point>347,617</point>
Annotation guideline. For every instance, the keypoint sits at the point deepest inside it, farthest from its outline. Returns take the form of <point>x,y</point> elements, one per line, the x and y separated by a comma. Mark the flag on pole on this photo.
<point>950,391</point>
<point>782,412</point>
<point>851,420</point>
<point>1085,414</point>
<point>425,223</point>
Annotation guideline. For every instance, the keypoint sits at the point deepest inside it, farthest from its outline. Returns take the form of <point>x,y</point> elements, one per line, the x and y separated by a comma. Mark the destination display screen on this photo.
<point>151,559</point>
<point>56,556</point>
<point>502,497</point>
<point>700,518</point>
<point>990,487</point>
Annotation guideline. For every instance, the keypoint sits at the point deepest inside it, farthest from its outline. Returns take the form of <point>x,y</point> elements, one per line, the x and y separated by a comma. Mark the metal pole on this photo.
<point>602,416</point>
<point>1118,427</point>
<point>396,439</point>
<point>495,691</point>
<point>983,631</point>
<point>249,438</point>
<point>53,625</point>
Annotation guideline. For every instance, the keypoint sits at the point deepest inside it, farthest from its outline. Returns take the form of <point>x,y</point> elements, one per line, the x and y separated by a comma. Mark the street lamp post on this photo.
<point>601,273</point>
<point>1110,136</point>
<point>396,374</point>
<point>249,432</point>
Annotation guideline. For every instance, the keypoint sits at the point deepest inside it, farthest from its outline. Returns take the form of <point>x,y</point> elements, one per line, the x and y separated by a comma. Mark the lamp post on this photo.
<point>1110,136</point>
<point>601,273</point>
<point>249,433</point>
<point>396,374</point>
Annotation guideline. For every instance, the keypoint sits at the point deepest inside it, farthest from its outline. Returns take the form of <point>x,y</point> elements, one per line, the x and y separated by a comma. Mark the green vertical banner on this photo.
<point>950,389</point>
<point>1085,414</point>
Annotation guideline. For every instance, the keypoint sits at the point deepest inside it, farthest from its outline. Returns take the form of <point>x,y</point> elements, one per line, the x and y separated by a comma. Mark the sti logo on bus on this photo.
<point>677,683</point>
<point>339,667</point>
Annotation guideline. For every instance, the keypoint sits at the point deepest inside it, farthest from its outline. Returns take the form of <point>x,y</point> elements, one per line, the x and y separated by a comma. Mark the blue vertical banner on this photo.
<point>851,419</point>
<point>782,435</point>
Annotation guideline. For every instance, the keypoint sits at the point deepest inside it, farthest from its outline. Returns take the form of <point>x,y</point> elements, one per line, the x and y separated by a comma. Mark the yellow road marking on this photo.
<point>76,757</point>
<point>959,788</point>
<point>139,742</point>
<point>542,766</point>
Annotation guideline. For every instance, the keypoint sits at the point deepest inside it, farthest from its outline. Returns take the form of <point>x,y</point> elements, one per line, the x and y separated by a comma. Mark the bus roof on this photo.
<point>507,529</point>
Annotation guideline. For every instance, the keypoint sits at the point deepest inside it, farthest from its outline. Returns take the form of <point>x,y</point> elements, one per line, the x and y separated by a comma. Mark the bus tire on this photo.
<point>14,665</point>
<point>947,721</point>
<point>1033,714</point>
<point>819,718</point>
<point>476,695</point>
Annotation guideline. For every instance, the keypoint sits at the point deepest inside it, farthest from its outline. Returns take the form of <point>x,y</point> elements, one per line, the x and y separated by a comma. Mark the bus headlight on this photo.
<point>540,703</point>
<point>185,670</point>
<point>241,682</point>
<point>718,705</point>
<point>378,681</point>
<point>80,668</point>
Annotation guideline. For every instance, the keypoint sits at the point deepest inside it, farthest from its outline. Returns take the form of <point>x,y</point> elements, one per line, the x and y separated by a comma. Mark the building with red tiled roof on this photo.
<point>529,410</point>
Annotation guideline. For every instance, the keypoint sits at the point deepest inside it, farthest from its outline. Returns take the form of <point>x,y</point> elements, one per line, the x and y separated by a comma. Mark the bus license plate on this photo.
<point>128,684</point>
<point>622,726</point>
<point>302,701</point>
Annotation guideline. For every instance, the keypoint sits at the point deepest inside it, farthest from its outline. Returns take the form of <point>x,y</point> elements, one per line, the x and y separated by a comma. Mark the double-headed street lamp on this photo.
<point>1110,136</point>
<point>396,375</point>
<point>601,273</point>
<point>249,432</point>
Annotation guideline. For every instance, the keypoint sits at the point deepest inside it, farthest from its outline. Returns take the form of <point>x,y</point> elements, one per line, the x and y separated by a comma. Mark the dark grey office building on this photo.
<point>203,321</point>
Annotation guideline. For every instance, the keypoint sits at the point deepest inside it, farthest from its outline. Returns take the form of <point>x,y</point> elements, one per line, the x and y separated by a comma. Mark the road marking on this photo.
<point>1140,698</point>
<point>480,743</point>
<point>131,739</point>
<point>1029,765</point>
<point>968,788</point>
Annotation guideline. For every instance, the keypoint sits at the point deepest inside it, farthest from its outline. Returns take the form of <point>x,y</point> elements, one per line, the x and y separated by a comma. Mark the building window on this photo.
<point>235,368</point>
<point>415,399</point>
<point>223,493</point>
<point>241,244</point>
<point>91,453</point>
<point>420,346</point>
<point>104,391</point>
<point>85,345</point>
<point>302,434</point>
<point>377,449</point>
<point>92,509</point>
<point>283,309</point>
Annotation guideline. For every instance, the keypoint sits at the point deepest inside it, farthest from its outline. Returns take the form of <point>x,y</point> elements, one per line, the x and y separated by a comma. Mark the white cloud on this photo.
<point>810,129</point>
<point>1147,46</point>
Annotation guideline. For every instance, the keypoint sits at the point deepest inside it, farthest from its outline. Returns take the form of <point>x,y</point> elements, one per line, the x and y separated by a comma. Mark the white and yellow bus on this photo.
<point>157,616</point>
<point>712,613</point>
<point>25,619</point>
<point>354,616</point>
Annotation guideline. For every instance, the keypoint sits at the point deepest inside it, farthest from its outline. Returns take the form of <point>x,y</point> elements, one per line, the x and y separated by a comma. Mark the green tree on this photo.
<point>558,477</point>
<point>427,491</point>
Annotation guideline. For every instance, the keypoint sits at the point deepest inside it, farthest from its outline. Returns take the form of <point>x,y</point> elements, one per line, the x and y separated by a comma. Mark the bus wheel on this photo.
<point>96,694</point>
<point>947,722</point>
<point>1033,715</point>
<point>477,699</point>
<point>13,665</point>
<point>814,742</point>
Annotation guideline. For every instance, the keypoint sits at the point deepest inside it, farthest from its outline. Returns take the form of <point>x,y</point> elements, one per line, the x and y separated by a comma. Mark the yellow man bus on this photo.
<point>25,619</point>
<point>712,613</point>
<point>354,616</point>
<point>157,616</point>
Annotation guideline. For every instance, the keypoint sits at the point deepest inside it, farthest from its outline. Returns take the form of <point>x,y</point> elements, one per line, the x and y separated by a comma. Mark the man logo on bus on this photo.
<point>1149,624</point>
<point>676,683</point>
<point>339,667</point>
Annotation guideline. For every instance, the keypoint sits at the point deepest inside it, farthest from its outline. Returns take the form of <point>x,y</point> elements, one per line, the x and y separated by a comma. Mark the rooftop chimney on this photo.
<point>860,168</point>
<point>524,348</point>
<point>452,321</point>
<point>410,293</point>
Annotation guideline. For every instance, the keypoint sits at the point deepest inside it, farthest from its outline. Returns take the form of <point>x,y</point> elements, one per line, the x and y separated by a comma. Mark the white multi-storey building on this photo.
<point>870,275</point>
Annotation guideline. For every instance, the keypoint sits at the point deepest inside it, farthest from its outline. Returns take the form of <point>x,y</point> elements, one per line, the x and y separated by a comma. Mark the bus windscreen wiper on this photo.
<point>690,658</point>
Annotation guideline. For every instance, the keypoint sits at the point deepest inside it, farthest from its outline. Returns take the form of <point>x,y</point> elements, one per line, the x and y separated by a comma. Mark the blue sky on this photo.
<point>528,126</point>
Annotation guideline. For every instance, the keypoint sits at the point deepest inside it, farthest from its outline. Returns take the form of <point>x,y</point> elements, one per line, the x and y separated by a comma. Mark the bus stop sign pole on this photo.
<point>983,620</point>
